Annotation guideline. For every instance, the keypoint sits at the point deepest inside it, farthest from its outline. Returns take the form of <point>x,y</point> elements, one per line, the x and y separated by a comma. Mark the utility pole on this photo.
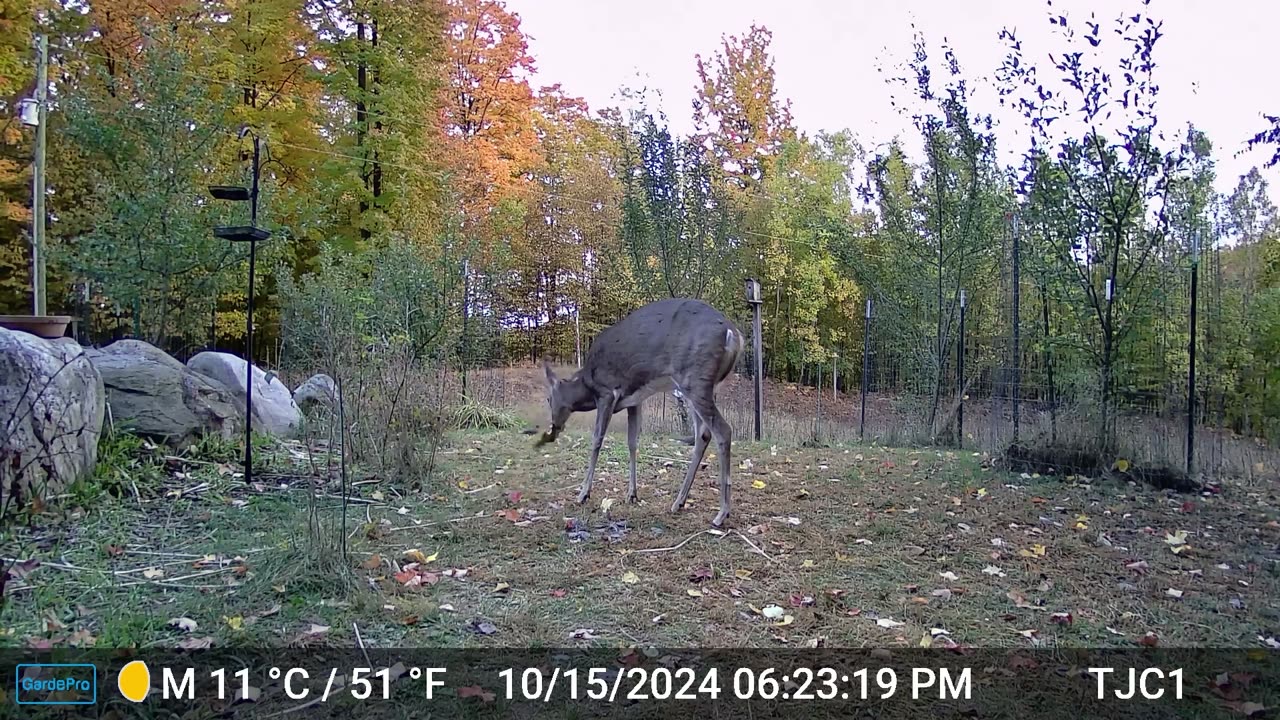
<point>37,177</point>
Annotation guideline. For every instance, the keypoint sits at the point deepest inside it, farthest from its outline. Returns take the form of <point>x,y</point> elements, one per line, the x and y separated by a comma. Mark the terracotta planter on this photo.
<point>50,327</point>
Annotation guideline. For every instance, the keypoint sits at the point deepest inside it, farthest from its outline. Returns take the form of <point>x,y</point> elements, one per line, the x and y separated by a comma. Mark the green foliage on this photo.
<point>148,138</point>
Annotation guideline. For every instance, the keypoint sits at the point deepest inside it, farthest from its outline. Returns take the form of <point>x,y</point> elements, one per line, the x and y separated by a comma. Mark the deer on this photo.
<point>678,345</point>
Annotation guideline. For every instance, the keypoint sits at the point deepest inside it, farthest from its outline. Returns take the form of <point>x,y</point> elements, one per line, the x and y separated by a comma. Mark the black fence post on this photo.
<point>757,351</point>
<point>1191,369</point>
<point>866,369</point>
<point>960,377</point>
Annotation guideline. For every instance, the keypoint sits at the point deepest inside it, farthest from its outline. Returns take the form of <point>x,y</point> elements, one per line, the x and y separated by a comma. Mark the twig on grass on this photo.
<point>360,644</point>
<point>441,522</point>
<point>755,547</point>
<point>674,547</point>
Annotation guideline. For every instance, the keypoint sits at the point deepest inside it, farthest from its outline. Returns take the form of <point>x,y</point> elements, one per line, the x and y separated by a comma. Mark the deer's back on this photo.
<point>679,339</point>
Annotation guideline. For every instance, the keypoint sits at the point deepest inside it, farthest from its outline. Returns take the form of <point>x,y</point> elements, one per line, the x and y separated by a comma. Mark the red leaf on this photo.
<point>559,593</point>
<point>1063,618</point>
<point>514,496</point>
<point>1188,507</point>
<point>510,514</point>
<point>404,577</point>
<point>477,692</point>
<point>1149,640</point>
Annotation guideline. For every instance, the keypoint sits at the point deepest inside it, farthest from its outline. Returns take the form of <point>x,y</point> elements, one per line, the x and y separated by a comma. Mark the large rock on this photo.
<point>152,394</point>
<point>274,411</point>
<point>319,391</point>
<point>51,411</point>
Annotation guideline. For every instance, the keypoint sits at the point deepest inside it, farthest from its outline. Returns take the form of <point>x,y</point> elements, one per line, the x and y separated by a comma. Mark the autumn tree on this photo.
<point>737,113</point>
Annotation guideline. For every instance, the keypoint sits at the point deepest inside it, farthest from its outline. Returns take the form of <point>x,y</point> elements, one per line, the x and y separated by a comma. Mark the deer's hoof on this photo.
<point>719,520</point>
<point>632,499</point>
<point>582,497</point>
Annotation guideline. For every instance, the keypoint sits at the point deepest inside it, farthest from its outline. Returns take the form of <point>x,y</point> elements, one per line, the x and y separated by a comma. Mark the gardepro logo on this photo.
<point>56,684</point>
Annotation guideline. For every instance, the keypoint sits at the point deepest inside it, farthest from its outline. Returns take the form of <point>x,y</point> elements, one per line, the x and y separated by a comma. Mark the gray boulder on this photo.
<point>152,394</point>
<point>51,412</point>
<point>274,411</point>
<point>319,391</point>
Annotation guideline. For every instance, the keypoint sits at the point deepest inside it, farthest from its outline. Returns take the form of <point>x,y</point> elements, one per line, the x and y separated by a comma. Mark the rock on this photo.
<point>51,411</point>
<point>318,391</point>
<point>274,411</point>
<point>152,394</point>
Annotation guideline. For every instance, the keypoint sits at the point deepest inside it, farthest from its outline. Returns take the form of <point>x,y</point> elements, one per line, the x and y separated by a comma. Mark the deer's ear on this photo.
<point>551,374</point>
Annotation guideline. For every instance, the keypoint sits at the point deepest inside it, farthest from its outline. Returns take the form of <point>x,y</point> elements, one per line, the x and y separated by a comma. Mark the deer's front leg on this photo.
<point>604,411</point>
<point>633,442</point>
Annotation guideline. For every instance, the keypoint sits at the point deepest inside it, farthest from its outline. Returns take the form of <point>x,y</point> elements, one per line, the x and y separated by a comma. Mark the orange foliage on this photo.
<point>486,110</point>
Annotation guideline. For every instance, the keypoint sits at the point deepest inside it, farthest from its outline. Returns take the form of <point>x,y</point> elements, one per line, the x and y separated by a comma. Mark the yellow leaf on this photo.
<point>742,574</point>
<point>758,484</point>
<point>463,484</point>
<point>500,587</point>
<point>786,620</point>
<point>808,564</point>
<point>842,557</point>
<point>235,623</point>
<point>1081,526</point>
<point>377,495</point>
<point>1036,550</point>
<point>1122,465</point>
<point>630,578</point>
<point>927,640</point>
<point>278,588</point>
<point>1082,518</point>
<point>415,555</point>
<point>694,593</point>
<point>982,492</point>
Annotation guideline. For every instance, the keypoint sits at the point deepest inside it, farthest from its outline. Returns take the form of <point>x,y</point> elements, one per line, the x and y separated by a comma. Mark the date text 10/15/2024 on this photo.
<point>802,683</point>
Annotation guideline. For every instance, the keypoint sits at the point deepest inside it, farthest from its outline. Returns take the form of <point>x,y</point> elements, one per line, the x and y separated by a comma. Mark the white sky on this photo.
<point>1216,64</point>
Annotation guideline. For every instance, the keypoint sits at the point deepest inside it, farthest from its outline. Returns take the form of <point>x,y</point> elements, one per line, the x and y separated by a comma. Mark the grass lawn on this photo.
<point>847,547</point>
<point>838,547</point>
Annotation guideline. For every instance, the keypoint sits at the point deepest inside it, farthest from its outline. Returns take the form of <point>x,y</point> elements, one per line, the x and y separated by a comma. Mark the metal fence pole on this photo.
<point>866,369</point>
<point>960,377</point>
<point>1191,369</point>
<point>757,351</point>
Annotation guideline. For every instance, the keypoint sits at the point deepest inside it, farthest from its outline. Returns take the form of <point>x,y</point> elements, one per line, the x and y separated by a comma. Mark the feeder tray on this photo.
<point>229,192</point>
<point>49,327</point>
<point>241,233</point>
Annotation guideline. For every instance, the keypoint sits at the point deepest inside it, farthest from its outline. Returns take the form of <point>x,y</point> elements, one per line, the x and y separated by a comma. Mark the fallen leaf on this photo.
<point>475,691</point>
<point>1122,465</point>
<point>582,634</point>
<point>694,592</point>
<point>773,612</point>
<point>1171,592</point>
<point>484,628</point>
<point>1035,551</point>
<point>758,484</point>
<point>949,576</point>
<point>993,570</point>
<point>605,504</point>
<point>1248,709</point>
<point>185,624</point>
<point>501,587</point>
<point>510,515</point>
<point>1061,618</point>
<point>195,643</point>
<point>701,573</point>
<point>786,620</point>
<point>630,578</point>
<point>1020,601</point>
<point>1149,640</point>
<point>944,593</point>
<point>416,555</point>
<point>235,623</point>
<point>514,496</point>
<point>559,593</point>
<point>888,623</point>
<point>373,563</point>
<point>1138,566</point>
<point>153,573</point>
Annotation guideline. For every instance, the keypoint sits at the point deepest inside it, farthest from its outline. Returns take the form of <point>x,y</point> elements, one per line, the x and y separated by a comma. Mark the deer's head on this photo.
<point>564,397</point>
